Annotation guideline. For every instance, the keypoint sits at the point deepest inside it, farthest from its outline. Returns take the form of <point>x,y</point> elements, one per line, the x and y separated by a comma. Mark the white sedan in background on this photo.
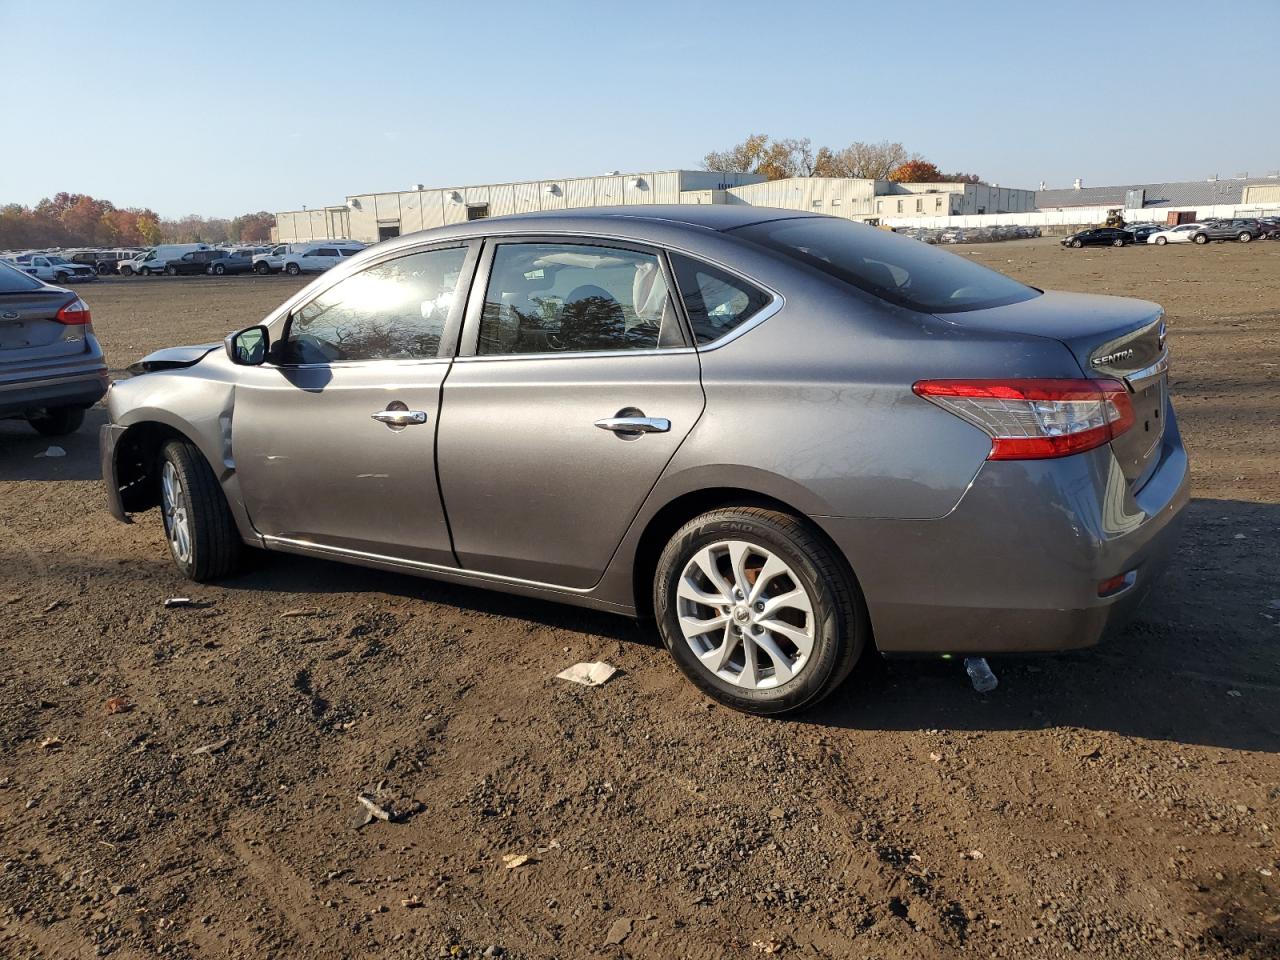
<point>1182,233</point>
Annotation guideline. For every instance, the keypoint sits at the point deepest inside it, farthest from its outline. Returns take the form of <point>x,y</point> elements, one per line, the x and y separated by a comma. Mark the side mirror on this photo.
<point>248,347</point>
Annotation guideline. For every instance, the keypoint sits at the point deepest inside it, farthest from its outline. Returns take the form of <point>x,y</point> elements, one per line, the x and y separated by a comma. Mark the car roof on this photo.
<point>628,222</point>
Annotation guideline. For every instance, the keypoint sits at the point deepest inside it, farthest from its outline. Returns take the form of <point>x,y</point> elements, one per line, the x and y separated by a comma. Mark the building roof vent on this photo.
<point>419,187</point>
<point>1078,184</point>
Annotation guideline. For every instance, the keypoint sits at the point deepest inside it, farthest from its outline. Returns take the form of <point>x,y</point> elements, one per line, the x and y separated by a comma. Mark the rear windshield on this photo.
<point>895,268</point>
<point>15,281</point>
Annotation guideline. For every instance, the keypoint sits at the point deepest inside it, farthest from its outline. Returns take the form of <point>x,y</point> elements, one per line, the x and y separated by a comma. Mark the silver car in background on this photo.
<point>51,367</point>
<point>786,438</point>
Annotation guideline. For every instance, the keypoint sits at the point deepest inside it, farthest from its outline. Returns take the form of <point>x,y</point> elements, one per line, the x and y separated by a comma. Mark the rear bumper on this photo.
<point>1015,568</point>
<point>83,388</point>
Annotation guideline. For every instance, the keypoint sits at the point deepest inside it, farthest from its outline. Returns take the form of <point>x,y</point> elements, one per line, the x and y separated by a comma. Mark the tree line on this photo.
<point>792,157</point>
<point>79,220</point>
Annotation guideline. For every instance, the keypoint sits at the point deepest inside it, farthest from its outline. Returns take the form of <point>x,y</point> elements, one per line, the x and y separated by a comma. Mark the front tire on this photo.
<point>145,271</point>
<point>1161,241</point>
<point>126,271</point>
<point>757,610</point>
<point>57,421</point>
<point>219,269</point>
<point>1245,237</point>
<point>1077,244</point>
<point>1117,243</point>
<point>1201,239</point>
<point>170,271</point>
<point>198,525</point>
<point>60,277</point>
<point>262,269</point>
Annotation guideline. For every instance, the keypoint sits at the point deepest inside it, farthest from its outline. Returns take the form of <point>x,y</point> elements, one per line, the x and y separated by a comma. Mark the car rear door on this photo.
<point>334,437</point>
<point>575,385</point>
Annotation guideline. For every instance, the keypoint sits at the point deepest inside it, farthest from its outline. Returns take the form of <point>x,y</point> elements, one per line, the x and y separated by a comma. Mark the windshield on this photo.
<point>895,268</point>
<point>15,281</point>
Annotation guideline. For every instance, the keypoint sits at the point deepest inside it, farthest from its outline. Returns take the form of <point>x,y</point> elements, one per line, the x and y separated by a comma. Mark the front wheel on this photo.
<point>1161,241</point>
<point>60,277</point>
<point>261,269</point>
<point>145,271</point>
<point>1201,239</point>
<point>292,269</point>
<point>126,271</point>
<point>219,269</point>
<point>57,421</point>
<point>1117,243</point>
<point>757,610</point>
<point>1245,237</point>
<point>170,271</point>
<point>1077,244</point>
<point>202,535</point>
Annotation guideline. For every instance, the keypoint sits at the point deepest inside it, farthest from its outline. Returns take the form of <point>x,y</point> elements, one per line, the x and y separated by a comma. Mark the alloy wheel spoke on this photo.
<point>800,638</point>
<point>738,554</point>
<point>689,590</point>
<point>719,658</point>
<point>748,677</point>
<point>793,599</point>
<point>781,662</point>
<point>697,627</point>
<point>773,568</point>
<point>706,562</point>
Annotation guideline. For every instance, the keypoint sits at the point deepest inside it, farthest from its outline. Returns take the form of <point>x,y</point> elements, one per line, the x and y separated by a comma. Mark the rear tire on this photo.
<point>145,271</point>
<point>58,421</point>
<point>1117,243</point>
<point>1245,237</point>
<point>219,269</point>
<point>292,269</point>
<point>1200,238</point>
<point>804,567</point>
<point>170,271</point>
<point>198,525</point>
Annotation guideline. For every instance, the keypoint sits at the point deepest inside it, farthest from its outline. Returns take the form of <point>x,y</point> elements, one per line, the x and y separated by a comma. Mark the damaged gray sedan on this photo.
<point>787,439</point>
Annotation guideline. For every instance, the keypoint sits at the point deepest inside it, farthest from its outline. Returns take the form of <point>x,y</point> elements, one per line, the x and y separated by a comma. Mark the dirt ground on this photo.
<point>1117,802</point>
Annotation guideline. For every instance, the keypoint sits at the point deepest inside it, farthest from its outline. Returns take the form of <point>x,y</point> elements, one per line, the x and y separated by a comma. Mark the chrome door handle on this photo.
<point>634,424</point>
<point>400,418</point>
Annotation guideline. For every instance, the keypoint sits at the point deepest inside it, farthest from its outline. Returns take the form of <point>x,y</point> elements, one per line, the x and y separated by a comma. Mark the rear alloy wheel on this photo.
<point>1077,244</point>
<point>219,269</point>
<point>1245,237</point>
<point>57,421</point>
<point>757,610</point>
<point>1201,238</point>
<point>1117,242</point>
<point>202,534</point>
<point>292,269</point>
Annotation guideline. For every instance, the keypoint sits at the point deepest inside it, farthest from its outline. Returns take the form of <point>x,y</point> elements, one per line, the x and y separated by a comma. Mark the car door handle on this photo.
<point>400,418</point>
<point>634,424</point>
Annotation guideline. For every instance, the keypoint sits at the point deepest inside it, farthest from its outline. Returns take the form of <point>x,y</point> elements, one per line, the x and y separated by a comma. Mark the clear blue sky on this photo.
<point>225,107</point>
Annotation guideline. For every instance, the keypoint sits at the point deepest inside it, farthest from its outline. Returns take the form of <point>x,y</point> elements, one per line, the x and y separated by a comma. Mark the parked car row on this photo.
<point>1239,229</point>
<point>968,234</point>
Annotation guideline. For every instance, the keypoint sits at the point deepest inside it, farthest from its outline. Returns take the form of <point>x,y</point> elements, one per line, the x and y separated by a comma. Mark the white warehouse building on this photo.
<point>371,217</point>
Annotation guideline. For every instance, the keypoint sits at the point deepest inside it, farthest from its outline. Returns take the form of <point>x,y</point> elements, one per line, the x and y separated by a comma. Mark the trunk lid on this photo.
<point>29,330</point>
<point>1110,337</point>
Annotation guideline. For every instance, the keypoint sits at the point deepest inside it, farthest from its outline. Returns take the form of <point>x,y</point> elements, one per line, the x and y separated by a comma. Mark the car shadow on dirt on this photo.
<point>1197,665</point>
<point>26,455</point>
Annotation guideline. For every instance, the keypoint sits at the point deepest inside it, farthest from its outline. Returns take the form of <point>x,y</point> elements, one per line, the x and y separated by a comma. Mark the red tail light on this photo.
<point>75,312</point>
<point>1036,419</point>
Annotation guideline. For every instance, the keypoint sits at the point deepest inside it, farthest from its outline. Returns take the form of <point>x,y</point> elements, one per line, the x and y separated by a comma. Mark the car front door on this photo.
<point>574,386</point>
<point>333,437</point>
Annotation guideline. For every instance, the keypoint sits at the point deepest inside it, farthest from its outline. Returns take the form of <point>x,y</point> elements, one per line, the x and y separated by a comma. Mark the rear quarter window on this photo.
<point>894,268</point>
<point>15,281</point>
<point>716,302</point>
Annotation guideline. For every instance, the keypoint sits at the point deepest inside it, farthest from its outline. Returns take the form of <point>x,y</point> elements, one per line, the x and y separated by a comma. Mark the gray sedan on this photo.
<point>51,367</point>
<point>787,439</point>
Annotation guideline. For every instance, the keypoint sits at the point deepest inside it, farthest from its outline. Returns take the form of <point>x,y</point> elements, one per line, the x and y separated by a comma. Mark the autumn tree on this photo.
<point>744,157</point>
<point>252,227</point>
<point>864,161</point>
<point>916,170</point>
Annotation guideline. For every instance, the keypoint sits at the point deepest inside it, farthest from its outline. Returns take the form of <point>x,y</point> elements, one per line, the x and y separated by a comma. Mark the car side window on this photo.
<point>575,298</point>
<point>391,311</point>
<point>716,301</point>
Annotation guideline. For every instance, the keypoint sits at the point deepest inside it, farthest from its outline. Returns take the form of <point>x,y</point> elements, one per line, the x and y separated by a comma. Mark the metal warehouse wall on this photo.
<point>837,196</point>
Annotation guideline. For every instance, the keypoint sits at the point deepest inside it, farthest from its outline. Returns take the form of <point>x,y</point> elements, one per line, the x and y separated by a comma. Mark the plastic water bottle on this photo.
<point>984,681</point>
